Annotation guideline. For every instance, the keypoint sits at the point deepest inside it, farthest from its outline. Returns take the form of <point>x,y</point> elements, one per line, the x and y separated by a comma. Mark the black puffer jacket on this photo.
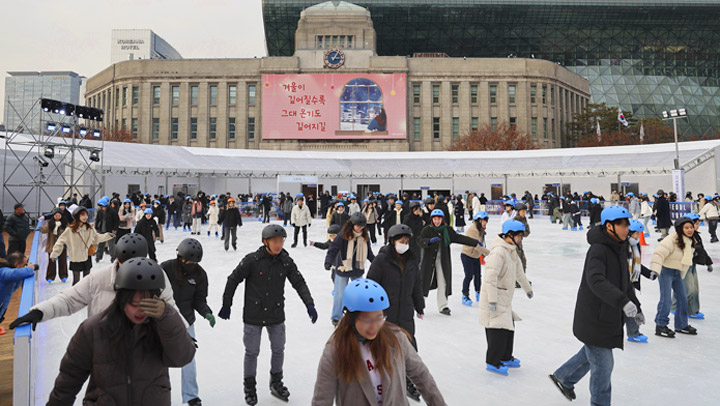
<point>416,225</point>
<point>604,289</point>
<point>264,276</point>
<point>231,217</point>
<point>190,288</point>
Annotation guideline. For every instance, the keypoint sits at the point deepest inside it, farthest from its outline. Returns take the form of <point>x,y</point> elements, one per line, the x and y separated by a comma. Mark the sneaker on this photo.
<point>689,330</point>
<point>697,316</point>
<point>501,370</point>
<point>664,331</point>
<point>466,300</point>
<point>567,391</point>
<point>640,338</point>
<point>445,311</point>
<point>513,363</point>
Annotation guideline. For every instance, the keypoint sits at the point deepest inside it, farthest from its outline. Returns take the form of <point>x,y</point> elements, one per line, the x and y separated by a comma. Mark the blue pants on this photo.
<point>671,281</point>
<point>596,360</point>
<point>340,284</point>
<point>189,375</point>
<point>175,221</point>
<point>472,271</point>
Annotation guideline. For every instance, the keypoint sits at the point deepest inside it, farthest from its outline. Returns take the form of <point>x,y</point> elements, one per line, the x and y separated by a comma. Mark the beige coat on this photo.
<point>129,217</point>
<point>709,212</point>
<point>330,388</point>
<point>476,251</point>
<point>78,242</point>
<point>213,213</point>
<point>669,255</point>
<point>300,216</point>
<point>502,269</point>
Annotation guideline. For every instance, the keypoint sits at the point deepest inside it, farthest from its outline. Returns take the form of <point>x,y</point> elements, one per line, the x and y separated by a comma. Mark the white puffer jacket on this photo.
<point>300,216</point>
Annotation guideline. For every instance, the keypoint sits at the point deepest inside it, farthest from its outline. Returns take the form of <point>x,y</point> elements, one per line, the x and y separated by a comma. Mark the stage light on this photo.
<point>49,152</point>
<point>96,133</point>
<point>95,155</point>
<point>83,131</point>
<point>41,161</point>
<point>51,127</point>
<point>66,129</point>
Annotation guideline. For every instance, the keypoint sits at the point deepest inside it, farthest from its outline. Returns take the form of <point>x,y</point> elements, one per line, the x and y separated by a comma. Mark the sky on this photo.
<point>75,35</point>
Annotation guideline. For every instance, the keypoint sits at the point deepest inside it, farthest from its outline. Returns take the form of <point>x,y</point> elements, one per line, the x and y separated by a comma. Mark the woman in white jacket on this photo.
<point>502,269</point>
<point>645,213</point>
<point>213,213</point>
<point>300,218</point>
<point>711,213</point>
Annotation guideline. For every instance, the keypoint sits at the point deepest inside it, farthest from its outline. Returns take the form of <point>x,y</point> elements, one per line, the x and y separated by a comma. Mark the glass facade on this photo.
<point>645,56</point>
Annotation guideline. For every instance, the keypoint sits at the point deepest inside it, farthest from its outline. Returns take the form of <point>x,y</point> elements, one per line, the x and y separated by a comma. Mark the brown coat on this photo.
<point>51,236</point>
<point>329,387</point>
<point>140,381</point>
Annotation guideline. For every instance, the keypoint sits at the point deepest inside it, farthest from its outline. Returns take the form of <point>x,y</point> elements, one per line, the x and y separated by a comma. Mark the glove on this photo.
<point>309,224</point>
<point>312,243</point>
<point>421,316</point>
<point>480,244</point>
<point>653,276</point>
<point>225,313</point>
<point>640,319</point>
<point>327,267</point>
<point>434,240</point>
<point>312,313</point>
<point>33,318</point>
<point>710,268</point>
<point>209,317</point>
<point>153,307</point>
<point>492,307</point>
<point>630,309</point>
<point>530,294</point>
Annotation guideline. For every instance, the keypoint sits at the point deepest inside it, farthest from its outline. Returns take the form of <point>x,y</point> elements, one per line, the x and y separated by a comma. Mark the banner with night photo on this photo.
<point>334,106</point>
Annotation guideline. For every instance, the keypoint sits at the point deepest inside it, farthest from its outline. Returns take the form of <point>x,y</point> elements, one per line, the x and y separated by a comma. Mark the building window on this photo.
<point>513,121</point>
<point>174,128</point>
<point>213,95</point>
<point>251,128</point>
<point>511,94</point>
<point>135,95</point>
<point>361,102</point>
<point>552,95</point>
<point>232,95</point>
<point>194,95</point>
<point>455,127</point>
<point>117,97</point>
<point>493,123</point>
<point>493,94</point>
<point>416,93</point>
<point>436,94</point>
<point>134,127</point>
<point>545,128</point>
<point>251,95</point>
<point>552,127</point>
<point>473,94</point>
<point>124,123</point>
<point>533,128</point>
<point>436,128</point>
<point>213,128</point>
<point>455,93</point>
<point>231,128</point>
<point>155,128</point>
<point>124,96</point>
<point>533,94</point>
<point>156,94</point>
<point>175,95</point>
<point>416,128</point>
<point>544,94</point>
<point>193,128</point>
<point>474,123</point>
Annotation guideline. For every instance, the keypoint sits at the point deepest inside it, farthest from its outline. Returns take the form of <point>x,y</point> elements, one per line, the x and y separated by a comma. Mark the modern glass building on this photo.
<point>643,55</point>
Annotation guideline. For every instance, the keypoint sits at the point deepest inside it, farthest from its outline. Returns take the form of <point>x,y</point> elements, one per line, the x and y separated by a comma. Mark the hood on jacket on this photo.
<point>500,242</point>
<point>598,235</point>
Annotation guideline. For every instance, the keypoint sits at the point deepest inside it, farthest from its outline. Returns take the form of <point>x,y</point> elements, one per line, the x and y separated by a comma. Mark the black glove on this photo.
<point>327,267</point>
<point>312,313</point>
<point>33,318</point>
<point>225,313</point>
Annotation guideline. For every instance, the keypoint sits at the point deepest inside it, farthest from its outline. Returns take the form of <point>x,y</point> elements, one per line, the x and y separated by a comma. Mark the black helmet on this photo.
<point>358,219</point>
<point>190,249</point>
<point>140,274</point>
<point>273,230</point>
<point>429,200</point>
<point>520,206</point>
<point>682,220</point>
<point>414,204</point>
<point>334,229</point>
<point>131,245</point>
<point>77,211</point>
<point>399,230</point>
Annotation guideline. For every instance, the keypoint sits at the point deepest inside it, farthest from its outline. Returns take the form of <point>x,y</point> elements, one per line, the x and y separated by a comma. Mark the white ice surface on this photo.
<point>663,372</point>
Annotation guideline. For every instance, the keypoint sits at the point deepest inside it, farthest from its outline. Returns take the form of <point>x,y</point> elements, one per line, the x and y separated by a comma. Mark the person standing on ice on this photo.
<point>459,214</point>
<point>126,350</point>
<point>470,257</point>
<point>508,211</point>
<point>566,212</point>
<point>187,213</point>
<point>231,219</point>
<point>436,264</point>
<point>213,216</point>
<point>300,218</point>
<point>662,214</point>
<point>636,269</point>
<point>367,361</point>
<point>264,273</point>
<point>606,297</point>
<point>196,212</point>
<point>595,212</point>
<point>692,287</point>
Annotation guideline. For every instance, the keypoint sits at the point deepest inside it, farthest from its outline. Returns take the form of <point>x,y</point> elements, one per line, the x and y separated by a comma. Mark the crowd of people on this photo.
<point>145,310</point>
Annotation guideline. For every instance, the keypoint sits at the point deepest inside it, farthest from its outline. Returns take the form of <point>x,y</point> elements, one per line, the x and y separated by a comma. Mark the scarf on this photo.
<point>56,230</point>
<point>634,262</point>
<point>446,235</point>
<point>357,248</point>
<point>688,252</point>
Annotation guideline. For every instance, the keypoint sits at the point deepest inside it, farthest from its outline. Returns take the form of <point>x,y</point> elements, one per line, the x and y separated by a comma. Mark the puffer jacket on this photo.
<point>502,269</point>
<point>669,255</point>
<point>475,252</point>
<point>78,242</point>
<point>140,379</point>
<point>300,216</point>
<point>213,215</point>
<point>187,212</point>
<point>710,211</point>
<point>17,226</point>
<point>190,288</point>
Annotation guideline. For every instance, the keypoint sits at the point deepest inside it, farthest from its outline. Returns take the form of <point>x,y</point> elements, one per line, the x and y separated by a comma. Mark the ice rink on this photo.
<point>683,370</point>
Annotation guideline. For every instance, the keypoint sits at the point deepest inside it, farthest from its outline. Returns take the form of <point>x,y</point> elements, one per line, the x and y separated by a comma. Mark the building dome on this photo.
<point>335,8</point>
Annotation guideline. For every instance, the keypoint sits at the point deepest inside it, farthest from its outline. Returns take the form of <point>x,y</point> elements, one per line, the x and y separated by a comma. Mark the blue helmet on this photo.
<point>594,200</point>
<point>127,201</point>
<point>562,197</point>
<point>187,197</point>
<point>437,213</point>
<point>400,202</point>
<point>613,213</point>
<point>512,225</point>
<point>481,215</point>
<point>340,204</point>
<point>365,295</point>
<point>62,202</point>
<point>631,194</point>
<point>636,225</point>
<point>156,201</point>
<point>693,216</point>
<point>102,203</point>
<point>508,203</point>
<point>148,211</point>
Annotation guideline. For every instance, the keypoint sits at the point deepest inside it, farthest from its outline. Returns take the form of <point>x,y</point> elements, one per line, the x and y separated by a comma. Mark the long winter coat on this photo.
<point>300,215</point>
<point>231,217</point>
<point>430,253</point>
<point>148,229</point>
<point>213,213</point>
<point>416,225</point>
<point>54,230</point>
<point>459,214</point>
<point>662,213</point>
<point>403,284</point>
<point>187,212</point>
<point>502,269</point>
<point>605,289</point>
<point>140,379</point>
<point>331,389</point>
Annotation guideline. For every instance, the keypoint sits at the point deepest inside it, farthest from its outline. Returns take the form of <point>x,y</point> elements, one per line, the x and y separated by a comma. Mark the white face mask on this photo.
<point>633,241</point>
<point>401,248</point>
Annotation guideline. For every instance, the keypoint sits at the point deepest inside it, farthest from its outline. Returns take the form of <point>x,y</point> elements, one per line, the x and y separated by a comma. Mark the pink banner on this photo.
<point>334,106</point>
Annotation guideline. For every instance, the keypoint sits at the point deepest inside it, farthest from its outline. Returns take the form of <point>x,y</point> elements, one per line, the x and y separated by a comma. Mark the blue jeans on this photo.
<point>175,221</point>
<point>3,254</point>
<point>189,375</point>
<point>671,281</point>
<point>599,362</point>
<point>472,270</point>
<point>340,284</point>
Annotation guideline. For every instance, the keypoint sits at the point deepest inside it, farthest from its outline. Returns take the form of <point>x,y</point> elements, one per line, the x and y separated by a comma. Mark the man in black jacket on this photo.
<point>414,220</point>
<point>340,216</point>
<point>393,216</point>
<point>265,272</point>
<point>231,219</point>
<point>173,210</point>
<point>106,221</point>
<point>605,298</point>
<point>17,225</point>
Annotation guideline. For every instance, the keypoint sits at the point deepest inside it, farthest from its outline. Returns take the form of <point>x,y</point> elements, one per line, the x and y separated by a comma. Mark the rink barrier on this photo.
<point>24,347</point>
<point>677,209</point>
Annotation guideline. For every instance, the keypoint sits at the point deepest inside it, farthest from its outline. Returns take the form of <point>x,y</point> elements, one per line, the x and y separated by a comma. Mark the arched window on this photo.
<point>360,101</point>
